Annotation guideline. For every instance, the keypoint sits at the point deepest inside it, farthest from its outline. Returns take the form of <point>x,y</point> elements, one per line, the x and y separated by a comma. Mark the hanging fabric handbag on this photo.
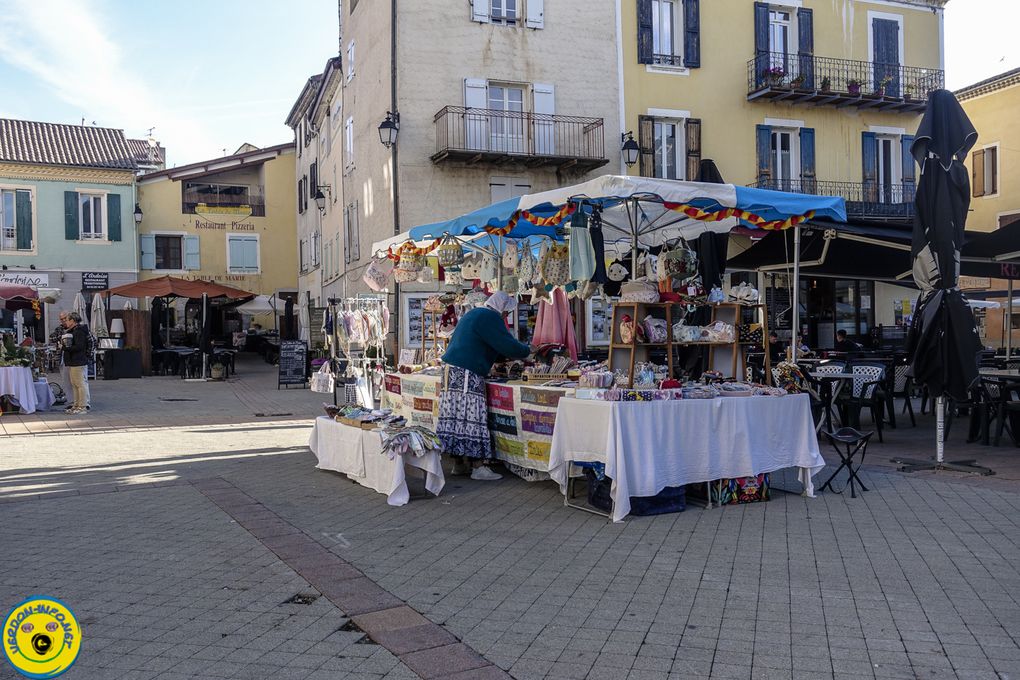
<point>655,329</point>
<point>471,268</point>
<point>555,266</point>
<point>526,267</point>
<point>377,274</point>
<point>490,268</point>
<point>412,258</point>
<point>509,254</point>
<point>751,334</point>
<point>450,253</point>
<point>323,380</point>
<point>453,277</point>
<point>401,275</point>
<point>582,252</point>
<point>640,290</point>
<point>680,264</point>
<point>693,294</point>
<point>434,304</point>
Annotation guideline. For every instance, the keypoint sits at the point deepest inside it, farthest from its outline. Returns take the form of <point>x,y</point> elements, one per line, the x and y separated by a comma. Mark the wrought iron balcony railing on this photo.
<point>239,204</point>
<point>492,135</point>
<point>864,200</point>
<point>820,81</point>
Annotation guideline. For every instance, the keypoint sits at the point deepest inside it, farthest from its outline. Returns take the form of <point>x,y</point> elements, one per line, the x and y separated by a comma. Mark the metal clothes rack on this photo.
<point>356,358</point>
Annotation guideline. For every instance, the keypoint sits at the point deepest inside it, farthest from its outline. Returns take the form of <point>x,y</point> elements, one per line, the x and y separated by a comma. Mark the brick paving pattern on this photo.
<point>177,576</point>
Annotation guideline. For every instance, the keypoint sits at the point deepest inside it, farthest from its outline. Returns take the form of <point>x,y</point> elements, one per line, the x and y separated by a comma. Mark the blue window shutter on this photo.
<point>23,216</point>
<point>806,45</point>
<point>807,160</point>
<point>645,32</point>
<point>761,41</point>
<point>869,171</point>
<point>909,169</point>
<point>147,245</point>
<point>71,229</point>
<point>764,144</point>
<point>692,33</point>
<point>250,246</point>
<point>113,216</point>
<point>235,253</point>
<point>192,258</point>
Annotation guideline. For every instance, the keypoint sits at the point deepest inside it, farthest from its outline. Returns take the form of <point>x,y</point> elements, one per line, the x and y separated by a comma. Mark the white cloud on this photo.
<point>65,45</point>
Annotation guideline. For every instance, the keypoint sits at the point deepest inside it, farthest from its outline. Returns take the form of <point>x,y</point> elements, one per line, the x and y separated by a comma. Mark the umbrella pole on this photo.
<point>796,292</point>
<point>205,301</point>
<point>940,429</point>
<point>634,243</point>
<point>1009,319</point>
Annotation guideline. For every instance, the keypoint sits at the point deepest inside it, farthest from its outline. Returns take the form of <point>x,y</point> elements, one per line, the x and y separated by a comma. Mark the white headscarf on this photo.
<point>500,302</point>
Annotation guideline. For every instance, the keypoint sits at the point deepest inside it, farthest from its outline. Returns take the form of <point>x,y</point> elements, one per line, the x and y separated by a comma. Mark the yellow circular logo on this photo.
<point>41,637</point>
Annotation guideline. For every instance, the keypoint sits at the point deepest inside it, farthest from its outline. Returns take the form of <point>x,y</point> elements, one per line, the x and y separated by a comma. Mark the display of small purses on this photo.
<point>450,253</point>
<point>640,290</point>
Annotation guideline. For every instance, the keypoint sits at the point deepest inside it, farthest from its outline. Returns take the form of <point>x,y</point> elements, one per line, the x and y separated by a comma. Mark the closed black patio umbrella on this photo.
<point>943,341</point>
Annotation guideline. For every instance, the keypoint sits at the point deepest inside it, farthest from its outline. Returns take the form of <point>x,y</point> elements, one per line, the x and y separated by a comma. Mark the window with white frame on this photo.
<point>781,36</point>
<point>667,32</point>
<point>169,252</point>
<point>349,143</point>
<point>668,143</point>
<point>92,216</point>
<point>242,253</point>
<point>506,129</point>
<point>350,60</point>
<point>16,231</point>
<point>504,11</point>
<point>316,247</point>
<point>785,158</point>
<point>890,169</point>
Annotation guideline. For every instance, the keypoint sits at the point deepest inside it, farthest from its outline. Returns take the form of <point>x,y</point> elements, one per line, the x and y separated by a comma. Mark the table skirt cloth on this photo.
<point>16,381</point>
<point>647,446</point>
<point>358,454</point>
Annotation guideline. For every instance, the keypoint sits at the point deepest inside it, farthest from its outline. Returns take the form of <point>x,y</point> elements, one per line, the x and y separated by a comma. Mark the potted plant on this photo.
<point>882,84</point>
<point>775,75</point>
<point>826,84</point>
<point>853,86</point>
<point>909,91</point>
<point>797,81</point>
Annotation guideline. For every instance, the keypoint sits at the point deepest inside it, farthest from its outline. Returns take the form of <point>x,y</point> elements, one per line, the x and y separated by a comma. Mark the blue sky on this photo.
<point>210,75</point>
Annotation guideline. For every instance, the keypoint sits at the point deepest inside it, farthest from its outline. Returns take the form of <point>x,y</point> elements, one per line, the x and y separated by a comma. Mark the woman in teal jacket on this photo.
<point>480,339</point>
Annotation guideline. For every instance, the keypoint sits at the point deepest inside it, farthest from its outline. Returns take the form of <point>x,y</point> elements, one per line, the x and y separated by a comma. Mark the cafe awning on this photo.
<point>173,287</point>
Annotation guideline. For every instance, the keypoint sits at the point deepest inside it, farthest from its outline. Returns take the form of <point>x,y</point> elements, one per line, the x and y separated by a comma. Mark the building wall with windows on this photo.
<point>767,91</point>
<point>993,163</point>
<point>229,220</point>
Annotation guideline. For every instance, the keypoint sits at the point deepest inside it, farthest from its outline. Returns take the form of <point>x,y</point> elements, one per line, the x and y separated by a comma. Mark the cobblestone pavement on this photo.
<point>178,531</point>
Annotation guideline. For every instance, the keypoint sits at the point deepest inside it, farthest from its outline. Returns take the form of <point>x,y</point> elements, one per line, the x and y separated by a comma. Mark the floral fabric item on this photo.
<point>463,425</point>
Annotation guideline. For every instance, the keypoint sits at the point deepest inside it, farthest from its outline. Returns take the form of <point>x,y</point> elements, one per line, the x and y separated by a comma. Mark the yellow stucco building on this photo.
<point>995,182</point>
<point>230,220</point>
<point>811,96</point>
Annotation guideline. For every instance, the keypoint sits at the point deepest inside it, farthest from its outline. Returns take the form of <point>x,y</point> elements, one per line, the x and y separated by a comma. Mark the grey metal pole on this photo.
<point>796,291</point>
<point>205,357</point>
<point>1009,318</point>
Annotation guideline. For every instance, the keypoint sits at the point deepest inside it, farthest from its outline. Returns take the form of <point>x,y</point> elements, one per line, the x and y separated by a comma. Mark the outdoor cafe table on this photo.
<point>358,454</point>
<point>16,381</point>
<point>647,446</point>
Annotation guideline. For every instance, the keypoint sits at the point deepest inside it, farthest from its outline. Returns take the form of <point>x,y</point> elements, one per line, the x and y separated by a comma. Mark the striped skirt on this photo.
<point>463,419</point>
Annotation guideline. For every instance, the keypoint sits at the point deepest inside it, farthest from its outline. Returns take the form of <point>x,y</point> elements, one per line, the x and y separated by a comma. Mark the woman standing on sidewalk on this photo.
<point>76,358</point>
<point>481,338</point>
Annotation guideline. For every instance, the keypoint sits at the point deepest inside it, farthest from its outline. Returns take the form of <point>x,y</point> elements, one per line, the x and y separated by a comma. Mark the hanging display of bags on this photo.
<point>450,253</point>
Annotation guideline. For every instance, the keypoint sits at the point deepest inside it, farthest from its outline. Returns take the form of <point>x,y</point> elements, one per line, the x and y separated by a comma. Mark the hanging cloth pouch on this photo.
<point>377,274</point>
<point>582,252</point>
<point>450,253</point>
<point>555,266</point>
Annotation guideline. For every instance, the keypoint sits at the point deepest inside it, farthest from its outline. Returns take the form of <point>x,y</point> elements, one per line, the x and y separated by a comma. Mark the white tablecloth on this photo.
<point>16,381</point>
<point>647,446</point>
<point>43,396</point>
<point>358,454</point>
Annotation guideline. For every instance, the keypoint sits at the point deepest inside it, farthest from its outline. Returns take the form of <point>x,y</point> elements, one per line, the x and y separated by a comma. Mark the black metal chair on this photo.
<point>1002,407</point>
<point>903,386</point>
<point>866,391</point>
<point>853,442</point>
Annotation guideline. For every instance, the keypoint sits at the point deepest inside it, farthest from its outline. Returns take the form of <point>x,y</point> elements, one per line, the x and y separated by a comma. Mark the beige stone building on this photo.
<point>493,99</point>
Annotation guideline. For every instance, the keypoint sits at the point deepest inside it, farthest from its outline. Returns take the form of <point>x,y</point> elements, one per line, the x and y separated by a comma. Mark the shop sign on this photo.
<point>530,395</point>
<point>501,397</point>
<point>975,282</point>
<point>1010,271</point>
<point>223,226</point>
<point>25,278</point>
<point>539,450</point>
<point>500,422</point>
<point>95,281</point>
<point>393,384</point>
<point>538,422</point>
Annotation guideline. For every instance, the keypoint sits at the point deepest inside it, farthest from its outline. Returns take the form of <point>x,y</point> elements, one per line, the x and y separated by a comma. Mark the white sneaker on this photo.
<point>484,474</point>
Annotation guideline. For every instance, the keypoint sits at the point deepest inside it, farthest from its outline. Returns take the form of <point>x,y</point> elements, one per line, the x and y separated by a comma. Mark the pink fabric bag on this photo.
<point>555,325</point>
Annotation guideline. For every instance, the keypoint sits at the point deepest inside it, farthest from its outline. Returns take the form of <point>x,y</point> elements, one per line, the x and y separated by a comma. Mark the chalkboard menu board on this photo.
<point>316,315</point>
<point>293,363</point>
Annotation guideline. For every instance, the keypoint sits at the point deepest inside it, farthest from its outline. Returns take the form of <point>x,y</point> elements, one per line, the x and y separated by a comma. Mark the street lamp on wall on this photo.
<point>320,198</point>
<point>630,149</point>
<point>389,128</point>
<point>138,214</point>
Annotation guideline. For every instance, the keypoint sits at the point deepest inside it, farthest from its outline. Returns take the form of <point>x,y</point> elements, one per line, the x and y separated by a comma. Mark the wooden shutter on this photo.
<point>692,33</point>
<point>764,144</point>
<point>977,161</point>
<point>536,14</point>
<point>113,221</point>
<point>313,180</point>
<point>71,228</point>
<point>761,42</point>
<point>23,219</point>
<point>645,34</point>
<point>807,160</point>
<point>147,246</point>
<point>304,194</point>
<point>806,46</point>
<point>909,168</point>
<point>646,140</point>
<point>692,136</point>
<point>869,171</point>
<point>192,257</point>
<point>544,132</point>
<point>480,11</point>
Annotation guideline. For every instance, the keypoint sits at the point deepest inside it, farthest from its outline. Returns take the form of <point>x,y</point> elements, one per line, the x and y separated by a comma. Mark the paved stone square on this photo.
<point>180,531</point>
